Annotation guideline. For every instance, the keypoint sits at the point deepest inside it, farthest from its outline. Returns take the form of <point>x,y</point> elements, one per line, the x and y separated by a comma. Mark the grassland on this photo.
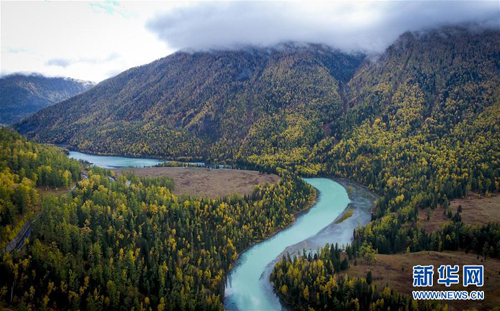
<point>204,182</point>
<point>346,215</point>
<point>396,271</point>
<point>476,209</point>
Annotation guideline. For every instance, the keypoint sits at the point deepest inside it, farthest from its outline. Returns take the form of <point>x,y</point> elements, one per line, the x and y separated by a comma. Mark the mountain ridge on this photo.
<point>235,104</point>
<point>209,82</point>
<point>22,94</point>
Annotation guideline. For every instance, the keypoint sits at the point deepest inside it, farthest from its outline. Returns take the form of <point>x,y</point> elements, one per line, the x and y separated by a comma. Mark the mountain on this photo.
<point>287,104</point>
<point>419,125</point>
<point>22,95</point>
<point>422,121</point>
<point>202,104</point>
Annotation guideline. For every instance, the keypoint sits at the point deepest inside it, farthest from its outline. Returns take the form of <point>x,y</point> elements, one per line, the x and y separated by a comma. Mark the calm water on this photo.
<point>248,287</point>
<point>110,162</point>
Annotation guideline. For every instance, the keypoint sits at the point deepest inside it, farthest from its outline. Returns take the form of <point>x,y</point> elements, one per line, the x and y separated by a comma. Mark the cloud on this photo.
<point>14,50</point>
<point>73,38</point>
<point>350,26</point>
<point>65,62</point>
<point>59,62</point>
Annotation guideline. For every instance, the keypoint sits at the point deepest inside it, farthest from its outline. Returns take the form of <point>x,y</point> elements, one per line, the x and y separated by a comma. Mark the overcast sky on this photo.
<point>96,40</point>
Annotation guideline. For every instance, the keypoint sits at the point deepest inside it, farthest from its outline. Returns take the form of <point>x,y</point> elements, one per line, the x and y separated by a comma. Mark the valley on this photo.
<point>353,163</point>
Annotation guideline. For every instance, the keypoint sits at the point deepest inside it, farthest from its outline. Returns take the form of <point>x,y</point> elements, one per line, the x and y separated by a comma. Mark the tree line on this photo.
<point>127,243</point>
<point>26,167</point>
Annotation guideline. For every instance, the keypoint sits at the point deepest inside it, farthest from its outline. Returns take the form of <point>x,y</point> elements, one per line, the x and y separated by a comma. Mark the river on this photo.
<point>111,162</point>
<point>248,286</point>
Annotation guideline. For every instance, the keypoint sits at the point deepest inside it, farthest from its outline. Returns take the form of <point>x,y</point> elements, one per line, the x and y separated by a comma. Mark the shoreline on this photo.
<point>361,203</point>
<point>296,214</point>
<point>362,200</point>
<point>71,148</point>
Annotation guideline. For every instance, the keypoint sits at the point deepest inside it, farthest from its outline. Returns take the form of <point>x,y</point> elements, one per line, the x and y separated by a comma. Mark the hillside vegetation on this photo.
<point>22,95</point>
<point>204,104</point>
<point>26,167</point>
<point>419,126</point>
<point>128,243</point>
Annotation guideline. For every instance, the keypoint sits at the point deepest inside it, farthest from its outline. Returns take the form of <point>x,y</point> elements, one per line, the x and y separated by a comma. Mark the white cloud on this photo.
<point>348,25</point>
<point>65,62</point>
<point>84,40</point>
<point>95,40</point>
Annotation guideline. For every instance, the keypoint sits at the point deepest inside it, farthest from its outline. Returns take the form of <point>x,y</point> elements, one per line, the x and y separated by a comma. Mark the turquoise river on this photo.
<point>248,286</point>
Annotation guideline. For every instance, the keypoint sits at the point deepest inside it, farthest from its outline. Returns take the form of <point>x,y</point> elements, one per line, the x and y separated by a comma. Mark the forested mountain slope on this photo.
<point>423,129</point>
<point>445,76</point>
<point>22,95</point>
<point>278,106</point>
<point>202,104</point>
<point>428,110</point>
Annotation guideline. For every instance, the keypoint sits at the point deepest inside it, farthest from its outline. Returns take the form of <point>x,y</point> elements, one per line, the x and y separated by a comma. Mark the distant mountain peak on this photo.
<point>22,94</point>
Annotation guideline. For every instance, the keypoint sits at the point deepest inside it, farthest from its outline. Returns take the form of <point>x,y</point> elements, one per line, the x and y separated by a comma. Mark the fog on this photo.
<point>350,26</point>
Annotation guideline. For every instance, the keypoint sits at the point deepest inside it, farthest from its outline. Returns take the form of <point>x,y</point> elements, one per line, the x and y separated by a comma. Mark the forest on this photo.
<point>128,243</point>
<point>26,167</point>
<point>419,127</point>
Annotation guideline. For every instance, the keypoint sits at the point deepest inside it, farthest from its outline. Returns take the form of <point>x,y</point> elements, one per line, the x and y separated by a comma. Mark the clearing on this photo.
<point>396,271</point>
<point>476,209</point>
<point>205,182</point>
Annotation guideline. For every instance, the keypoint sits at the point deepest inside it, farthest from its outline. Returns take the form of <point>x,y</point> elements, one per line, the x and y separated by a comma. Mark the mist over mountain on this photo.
<point>369,26</point>
<point>272,101</point>
<point>406,142</point>
<point>23,94</point>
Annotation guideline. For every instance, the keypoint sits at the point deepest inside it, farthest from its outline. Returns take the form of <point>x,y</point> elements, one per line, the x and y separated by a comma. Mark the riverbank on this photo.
<point>71,148</point>
<point>310,203</point>
<point>248,285</point>
<point>361,204</point>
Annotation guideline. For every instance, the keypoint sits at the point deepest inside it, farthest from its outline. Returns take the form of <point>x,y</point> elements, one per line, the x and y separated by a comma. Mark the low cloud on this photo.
<point>65,62</point>
<point>59,62</point>
<point>350,26</point>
